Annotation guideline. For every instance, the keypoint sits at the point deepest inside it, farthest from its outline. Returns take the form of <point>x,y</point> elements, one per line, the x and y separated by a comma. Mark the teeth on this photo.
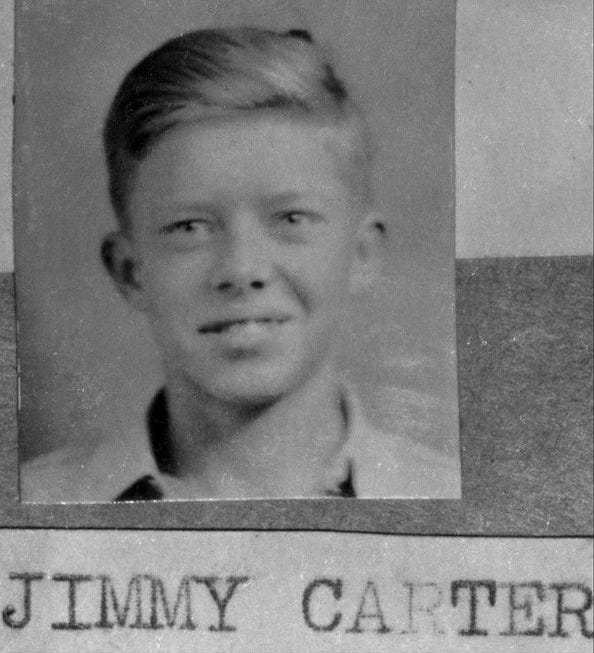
<point>250,326</point>
<point>245,325</point>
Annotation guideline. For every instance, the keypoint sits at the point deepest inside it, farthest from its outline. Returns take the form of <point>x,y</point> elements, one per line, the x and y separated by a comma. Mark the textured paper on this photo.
<point>292,592</point>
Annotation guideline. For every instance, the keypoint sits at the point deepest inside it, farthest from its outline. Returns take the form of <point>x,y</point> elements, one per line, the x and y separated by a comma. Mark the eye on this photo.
<point>187,226</point>
<point>195,227</point>
<point>297,218</point>
<point>297,225</point>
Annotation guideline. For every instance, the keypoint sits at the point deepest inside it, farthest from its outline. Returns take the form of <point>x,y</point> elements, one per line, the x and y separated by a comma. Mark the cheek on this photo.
<point>327,273</point>
<point>171,286</point>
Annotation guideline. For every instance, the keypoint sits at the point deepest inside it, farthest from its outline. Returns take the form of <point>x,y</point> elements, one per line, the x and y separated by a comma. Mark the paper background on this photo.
<point>267,611</point>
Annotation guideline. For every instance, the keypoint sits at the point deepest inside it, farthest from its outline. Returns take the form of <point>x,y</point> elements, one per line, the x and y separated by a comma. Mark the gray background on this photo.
<point>88,367</point>
<point>524,324</point>
<point>524,333</point>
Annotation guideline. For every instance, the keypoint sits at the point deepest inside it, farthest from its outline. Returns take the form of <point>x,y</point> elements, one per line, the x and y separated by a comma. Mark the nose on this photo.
<point>243,262</point>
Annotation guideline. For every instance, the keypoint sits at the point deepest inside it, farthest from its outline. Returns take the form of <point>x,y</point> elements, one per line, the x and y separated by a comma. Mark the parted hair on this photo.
<point>213,72</point>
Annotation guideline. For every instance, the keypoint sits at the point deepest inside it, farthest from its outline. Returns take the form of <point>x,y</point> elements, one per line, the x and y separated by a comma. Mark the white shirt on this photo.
<point>371,464</point>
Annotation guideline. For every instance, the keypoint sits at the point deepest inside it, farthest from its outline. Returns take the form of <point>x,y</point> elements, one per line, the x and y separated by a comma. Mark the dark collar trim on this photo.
<point>144,489</point>
<point>345,489</point>
<point>158,428</point>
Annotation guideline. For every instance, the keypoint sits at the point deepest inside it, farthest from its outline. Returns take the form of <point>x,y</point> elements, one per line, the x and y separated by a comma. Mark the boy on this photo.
<point>239,173</point>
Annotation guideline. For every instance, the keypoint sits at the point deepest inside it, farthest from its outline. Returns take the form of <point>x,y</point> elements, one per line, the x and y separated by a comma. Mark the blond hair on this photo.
<point>214,72</point>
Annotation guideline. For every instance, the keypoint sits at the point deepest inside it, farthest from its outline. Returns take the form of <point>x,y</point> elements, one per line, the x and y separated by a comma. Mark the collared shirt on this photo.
<point>371,464</point>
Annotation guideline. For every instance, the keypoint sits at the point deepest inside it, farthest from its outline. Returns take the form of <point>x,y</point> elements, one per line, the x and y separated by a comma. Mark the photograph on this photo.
<point>260,257</point>
<point>234,251</point>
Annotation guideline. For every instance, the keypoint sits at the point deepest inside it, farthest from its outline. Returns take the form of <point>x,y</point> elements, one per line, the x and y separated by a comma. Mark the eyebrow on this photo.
<point>212,207</point>
<point>284,198</point>
<point>304,199</point>
<point>183,206</point>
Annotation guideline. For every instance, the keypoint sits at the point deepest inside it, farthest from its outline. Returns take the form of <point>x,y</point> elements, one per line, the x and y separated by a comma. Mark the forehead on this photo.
<point>245,155</point>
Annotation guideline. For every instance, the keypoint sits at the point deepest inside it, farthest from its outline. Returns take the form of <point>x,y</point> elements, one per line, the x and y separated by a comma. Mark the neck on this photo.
<point>278,449</point>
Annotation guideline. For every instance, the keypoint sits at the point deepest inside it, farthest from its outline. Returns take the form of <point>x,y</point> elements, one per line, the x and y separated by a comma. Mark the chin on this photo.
<point>252,386</point>
<point>240,395</point>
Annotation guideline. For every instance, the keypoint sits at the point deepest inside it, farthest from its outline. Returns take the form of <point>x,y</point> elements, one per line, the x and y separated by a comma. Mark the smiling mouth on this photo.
<point>231,326</point>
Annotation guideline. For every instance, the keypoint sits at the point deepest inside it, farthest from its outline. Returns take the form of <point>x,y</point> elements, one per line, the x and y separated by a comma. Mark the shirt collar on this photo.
<point>141,468</point>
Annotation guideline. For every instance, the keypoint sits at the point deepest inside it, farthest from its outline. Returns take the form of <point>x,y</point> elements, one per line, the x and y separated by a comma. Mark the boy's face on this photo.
<point>242,242</point>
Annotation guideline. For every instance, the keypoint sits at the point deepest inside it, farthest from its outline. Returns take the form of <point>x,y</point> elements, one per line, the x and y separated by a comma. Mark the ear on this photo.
<point>120,260</point>
<point>370,242</point>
